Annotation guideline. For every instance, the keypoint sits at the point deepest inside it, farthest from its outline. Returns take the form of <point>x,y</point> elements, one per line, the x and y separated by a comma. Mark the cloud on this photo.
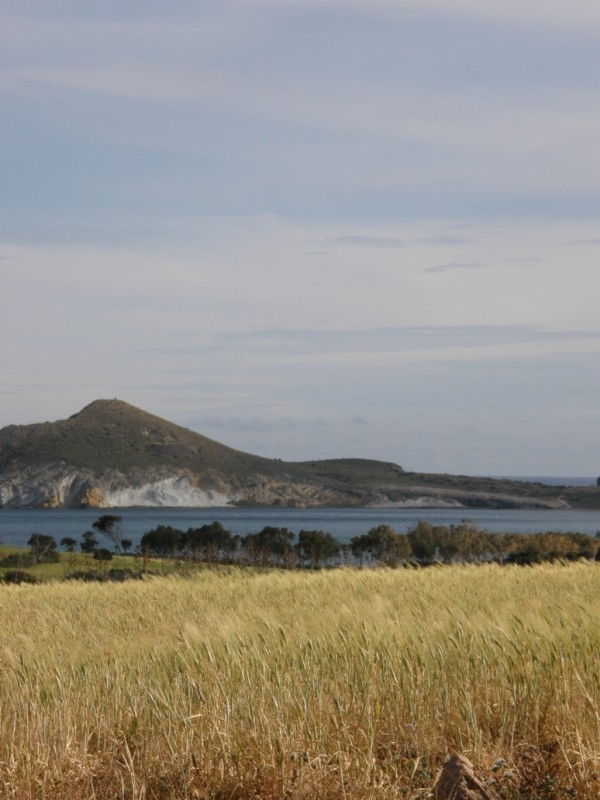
<point>388,345</point>
<point>391,242</point>
<point>453,265</point>
<point>323,111</point>
<point>579,13</point>
<point>125,80</point>
<point>155,16</point>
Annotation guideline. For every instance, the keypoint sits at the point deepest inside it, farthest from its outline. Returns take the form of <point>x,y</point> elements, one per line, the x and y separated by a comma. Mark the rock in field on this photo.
<point>457,781</point>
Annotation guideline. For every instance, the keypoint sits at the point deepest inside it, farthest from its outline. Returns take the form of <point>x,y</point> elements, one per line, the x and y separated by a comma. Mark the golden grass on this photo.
<point>337,684</point>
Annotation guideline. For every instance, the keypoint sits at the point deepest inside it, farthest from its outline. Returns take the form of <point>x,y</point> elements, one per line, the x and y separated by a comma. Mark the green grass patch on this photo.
<point>81,562</point>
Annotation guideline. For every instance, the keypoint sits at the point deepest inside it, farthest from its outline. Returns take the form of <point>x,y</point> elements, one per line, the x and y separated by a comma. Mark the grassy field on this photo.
<point>234,684</point>
<point>79,562</point>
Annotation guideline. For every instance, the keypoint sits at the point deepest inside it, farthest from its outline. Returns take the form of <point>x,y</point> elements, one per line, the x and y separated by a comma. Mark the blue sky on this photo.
<point>309,229</point>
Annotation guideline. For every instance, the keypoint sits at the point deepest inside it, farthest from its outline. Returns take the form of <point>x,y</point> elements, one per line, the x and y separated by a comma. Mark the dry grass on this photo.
<point>342,684</point>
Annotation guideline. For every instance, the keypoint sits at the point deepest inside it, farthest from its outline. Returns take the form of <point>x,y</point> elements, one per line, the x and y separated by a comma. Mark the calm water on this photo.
<point>17,525</point>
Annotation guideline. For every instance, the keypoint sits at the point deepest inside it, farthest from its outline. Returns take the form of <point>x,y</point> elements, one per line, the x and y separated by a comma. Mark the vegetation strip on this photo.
<point>423,545</point>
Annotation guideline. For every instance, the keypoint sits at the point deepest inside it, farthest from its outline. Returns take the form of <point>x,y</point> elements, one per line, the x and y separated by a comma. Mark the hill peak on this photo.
<point>106,405</point>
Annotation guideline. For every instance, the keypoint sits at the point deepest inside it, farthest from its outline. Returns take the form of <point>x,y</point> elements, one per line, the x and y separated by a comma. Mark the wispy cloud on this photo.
<point>393,242</point>
<point>474,337</point>
<point>125,80</point>
<point>579,14</point>
<point>454,265</point>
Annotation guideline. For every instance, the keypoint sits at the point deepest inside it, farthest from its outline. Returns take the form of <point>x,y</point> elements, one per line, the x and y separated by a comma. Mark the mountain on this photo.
<point>112,454</point>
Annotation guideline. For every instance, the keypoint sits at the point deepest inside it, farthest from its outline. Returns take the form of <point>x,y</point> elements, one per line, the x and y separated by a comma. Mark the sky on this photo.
<point>309,228</point>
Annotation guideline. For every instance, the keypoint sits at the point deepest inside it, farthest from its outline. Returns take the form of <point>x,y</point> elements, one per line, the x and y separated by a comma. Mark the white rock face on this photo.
<point>171,492</point>
<point>46,486</point>
<point>55,486</point>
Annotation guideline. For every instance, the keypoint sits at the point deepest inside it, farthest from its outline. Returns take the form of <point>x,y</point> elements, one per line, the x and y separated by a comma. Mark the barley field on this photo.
<point>233,684</point>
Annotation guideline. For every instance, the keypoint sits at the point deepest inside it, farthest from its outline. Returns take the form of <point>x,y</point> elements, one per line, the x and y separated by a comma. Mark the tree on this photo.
<point>163,540</point>
<point>68,543</point>
<point>470,542</point>
<point>109,525</point>
<point>269,544</point>
<point>317,547</point>
<point>498,545</point>
<point>126,544</point>
<point>43,548</point>
<point>449,543</point>
<point>212,539</point>
<point>383,544</point>
<point>425,539</point>
<point>89,542</point>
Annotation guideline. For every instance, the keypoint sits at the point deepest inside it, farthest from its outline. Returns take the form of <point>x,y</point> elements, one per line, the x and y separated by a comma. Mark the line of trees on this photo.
<point>271,546</point>
<point>423,544</point>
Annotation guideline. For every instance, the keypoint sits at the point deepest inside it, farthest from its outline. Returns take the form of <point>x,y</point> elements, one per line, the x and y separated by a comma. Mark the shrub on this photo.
<point>18,576</point>
<point>17,560</point>
<point>103,554</point>
<point>43,548</point>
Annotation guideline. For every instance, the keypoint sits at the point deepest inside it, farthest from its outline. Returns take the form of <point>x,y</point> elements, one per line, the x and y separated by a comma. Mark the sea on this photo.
<point>17,525</point>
